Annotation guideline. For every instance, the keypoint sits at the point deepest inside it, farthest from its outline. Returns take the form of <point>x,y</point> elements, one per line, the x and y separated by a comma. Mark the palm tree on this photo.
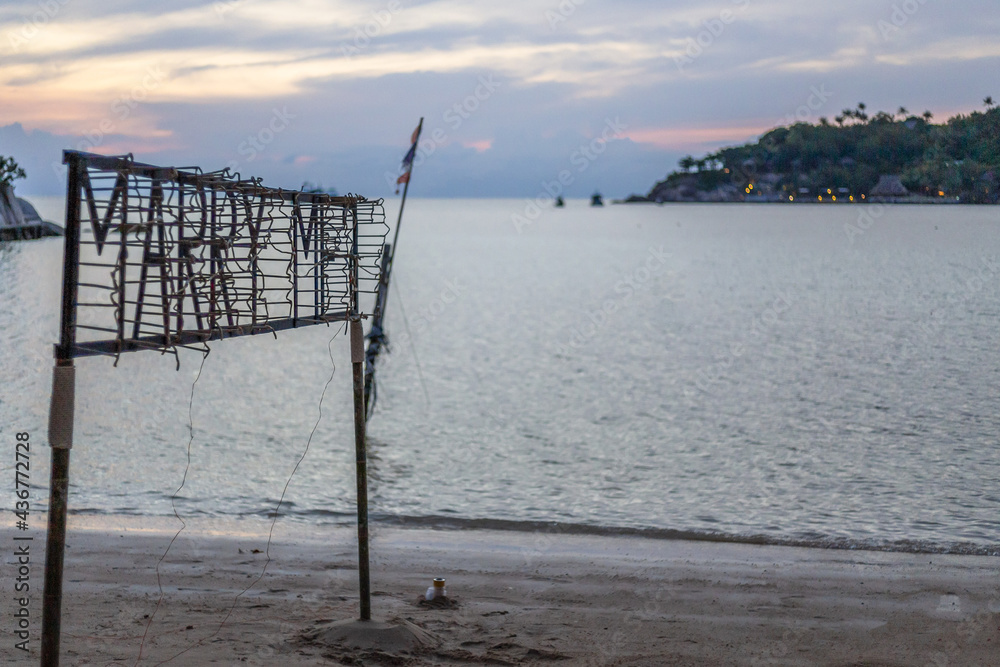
<point>860,113</point>
<point>927,116</point>
<point>9,171</point>
<point>687,162</point>
<point>903,113</point>
<point>989,102</point>
<point>840,120</point>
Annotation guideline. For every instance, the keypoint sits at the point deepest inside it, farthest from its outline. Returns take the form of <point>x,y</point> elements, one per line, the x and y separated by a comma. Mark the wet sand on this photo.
<point>516,598</point>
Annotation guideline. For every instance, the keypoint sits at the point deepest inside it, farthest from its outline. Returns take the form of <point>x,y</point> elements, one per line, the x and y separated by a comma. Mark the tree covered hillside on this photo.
<point>957,159</point>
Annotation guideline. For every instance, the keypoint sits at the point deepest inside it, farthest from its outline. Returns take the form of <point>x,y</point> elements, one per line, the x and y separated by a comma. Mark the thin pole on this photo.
<point>406,188</point>
<point>375,333</point>
<point>357,362</point>
<point>61,414</point>
<point>381,299</point>
<point>54,552</point>
<point>361,455</point>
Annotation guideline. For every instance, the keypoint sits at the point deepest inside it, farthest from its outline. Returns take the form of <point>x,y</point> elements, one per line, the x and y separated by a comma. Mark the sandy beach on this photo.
<point>516,598</point>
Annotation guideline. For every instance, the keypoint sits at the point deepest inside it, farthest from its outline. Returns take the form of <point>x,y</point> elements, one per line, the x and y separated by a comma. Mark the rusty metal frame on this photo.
<point>177,258</point>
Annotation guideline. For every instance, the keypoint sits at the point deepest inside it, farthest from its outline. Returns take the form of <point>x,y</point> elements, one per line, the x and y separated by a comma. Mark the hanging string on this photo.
<point>277,508</point>
<point>173,505</point>
<point>413,348</point>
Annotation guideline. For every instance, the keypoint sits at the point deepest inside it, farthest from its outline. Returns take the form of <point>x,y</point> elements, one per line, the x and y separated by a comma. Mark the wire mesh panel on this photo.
<point>169,258</point>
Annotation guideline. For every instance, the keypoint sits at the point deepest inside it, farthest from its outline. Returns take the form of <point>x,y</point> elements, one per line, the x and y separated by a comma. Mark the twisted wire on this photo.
<point>176,258</point>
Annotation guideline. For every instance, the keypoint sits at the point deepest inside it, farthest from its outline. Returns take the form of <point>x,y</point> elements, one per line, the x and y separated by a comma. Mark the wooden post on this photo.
<point>361,458</point>
<point>357,362</point>
<point>61,413</point>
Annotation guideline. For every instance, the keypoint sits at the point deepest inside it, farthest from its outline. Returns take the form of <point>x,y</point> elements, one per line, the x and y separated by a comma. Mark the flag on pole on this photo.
<point>407,165</point>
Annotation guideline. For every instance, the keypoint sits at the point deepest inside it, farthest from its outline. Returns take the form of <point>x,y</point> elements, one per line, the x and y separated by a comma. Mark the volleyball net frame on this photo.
<point>164,258</point>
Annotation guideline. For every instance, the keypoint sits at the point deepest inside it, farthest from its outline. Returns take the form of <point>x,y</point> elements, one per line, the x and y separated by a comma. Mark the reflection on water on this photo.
<point>747,370</point>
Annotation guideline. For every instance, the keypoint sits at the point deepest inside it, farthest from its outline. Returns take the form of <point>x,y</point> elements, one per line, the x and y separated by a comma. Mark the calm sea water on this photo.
<point>802,374</point>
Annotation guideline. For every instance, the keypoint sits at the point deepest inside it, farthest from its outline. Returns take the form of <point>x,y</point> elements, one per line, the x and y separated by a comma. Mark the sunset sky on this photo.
<point>512,92</point>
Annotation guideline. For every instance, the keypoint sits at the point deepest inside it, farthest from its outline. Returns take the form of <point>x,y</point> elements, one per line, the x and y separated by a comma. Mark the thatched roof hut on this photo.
<point>889,186</point>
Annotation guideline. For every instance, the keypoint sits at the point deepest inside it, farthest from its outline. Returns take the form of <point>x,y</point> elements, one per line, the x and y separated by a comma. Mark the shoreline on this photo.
<point>95,518</point>
<point>871,200</point>
<point>522,598</point>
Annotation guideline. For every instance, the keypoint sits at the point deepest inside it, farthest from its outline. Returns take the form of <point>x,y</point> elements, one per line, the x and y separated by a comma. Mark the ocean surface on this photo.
<point>791,374</point>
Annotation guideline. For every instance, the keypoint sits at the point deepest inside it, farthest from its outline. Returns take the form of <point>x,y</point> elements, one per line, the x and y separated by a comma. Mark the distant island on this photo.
<point>898,157</point>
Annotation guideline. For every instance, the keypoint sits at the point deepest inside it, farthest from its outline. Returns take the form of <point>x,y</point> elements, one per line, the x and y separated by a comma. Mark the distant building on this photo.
<point>889,186</point>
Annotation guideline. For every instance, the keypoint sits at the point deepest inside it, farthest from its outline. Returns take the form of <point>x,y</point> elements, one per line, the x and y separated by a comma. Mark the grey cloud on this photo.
<point>353,130</point>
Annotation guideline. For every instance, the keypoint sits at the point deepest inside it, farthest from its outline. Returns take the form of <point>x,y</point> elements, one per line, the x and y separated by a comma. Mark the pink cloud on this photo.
<point>480,146</point>
<point>687,137</point>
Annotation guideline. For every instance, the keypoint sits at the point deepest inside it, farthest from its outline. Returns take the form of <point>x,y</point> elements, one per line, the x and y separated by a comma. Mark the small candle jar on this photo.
<point>437,590</point>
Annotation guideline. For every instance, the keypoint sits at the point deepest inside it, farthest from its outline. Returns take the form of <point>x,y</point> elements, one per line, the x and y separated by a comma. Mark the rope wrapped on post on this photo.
<point>62,406</point>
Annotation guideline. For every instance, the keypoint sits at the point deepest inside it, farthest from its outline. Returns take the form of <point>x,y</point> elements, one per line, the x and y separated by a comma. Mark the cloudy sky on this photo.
<point>513,92</point>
